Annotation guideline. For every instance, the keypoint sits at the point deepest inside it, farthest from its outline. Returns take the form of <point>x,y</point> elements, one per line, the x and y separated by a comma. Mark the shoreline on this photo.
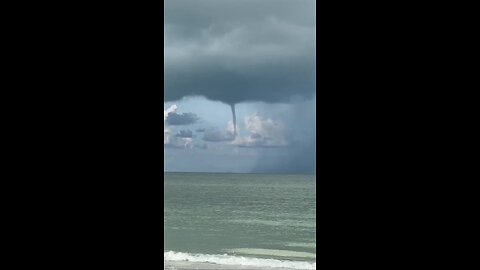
<point>186,265</point>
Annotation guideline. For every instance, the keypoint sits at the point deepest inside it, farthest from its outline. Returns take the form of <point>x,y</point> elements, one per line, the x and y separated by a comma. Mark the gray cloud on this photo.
<point>170,138</point>
<point>184,134</point>
<point>214,135</point>
<point>237,51</point>
<point>170,141</point>
<point>217,136</point>
<point>175,119</point>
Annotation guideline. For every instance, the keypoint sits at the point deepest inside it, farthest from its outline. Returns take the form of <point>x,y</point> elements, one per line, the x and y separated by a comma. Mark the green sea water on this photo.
<point>246,219</point>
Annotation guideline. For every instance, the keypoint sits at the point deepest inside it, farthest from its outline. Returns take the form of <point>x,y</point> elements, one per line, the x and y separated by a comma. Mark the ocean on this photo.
<point>239,221</point>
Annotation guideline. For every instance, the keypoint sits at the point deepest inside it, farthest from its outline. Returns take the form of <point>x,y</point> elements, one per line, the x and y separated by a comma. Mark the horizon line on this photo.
<point>240,172</point>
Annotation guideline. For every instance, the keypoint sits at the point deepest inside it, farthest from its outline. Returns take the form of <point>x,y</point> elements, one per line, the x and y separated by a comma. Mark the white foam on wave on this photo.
<point>237,260</point>
<point>272,252</point>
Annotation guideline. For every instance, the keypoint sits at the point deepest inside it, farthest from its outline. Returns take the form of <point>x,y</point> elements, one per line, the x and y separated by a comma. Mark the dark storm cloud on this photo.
<point>200,130</point>
<point>175,119</point>
<point>184,134</point>
<point>235,51</point>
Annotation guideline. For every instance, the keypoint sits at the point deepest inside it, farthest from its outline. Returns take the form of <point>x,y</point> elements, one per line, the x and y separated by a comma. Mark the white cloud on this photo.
<point>264,132</point>
<point>171,109</point>
<point>169,135</point>
<point>171,140</point>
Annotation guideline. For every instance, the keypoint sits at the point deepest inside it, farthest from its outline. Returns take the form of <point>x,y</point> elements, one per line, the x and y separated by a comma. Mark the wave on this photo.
<point>273,252</point>
<point>237,260</point>
<point>289,223</point>
<point>306,245</point>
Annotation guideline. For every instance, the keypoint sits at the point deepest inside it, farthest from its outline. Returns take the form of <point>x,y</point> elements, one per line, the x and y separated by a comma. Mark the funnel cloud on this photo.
<point>234,117</point>
<point>257,57</point>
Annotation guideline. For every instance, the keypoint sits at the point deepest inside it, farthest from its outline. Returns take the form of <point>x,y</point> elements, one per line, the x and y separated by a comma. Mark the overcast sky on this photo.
<point>240,86</point>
